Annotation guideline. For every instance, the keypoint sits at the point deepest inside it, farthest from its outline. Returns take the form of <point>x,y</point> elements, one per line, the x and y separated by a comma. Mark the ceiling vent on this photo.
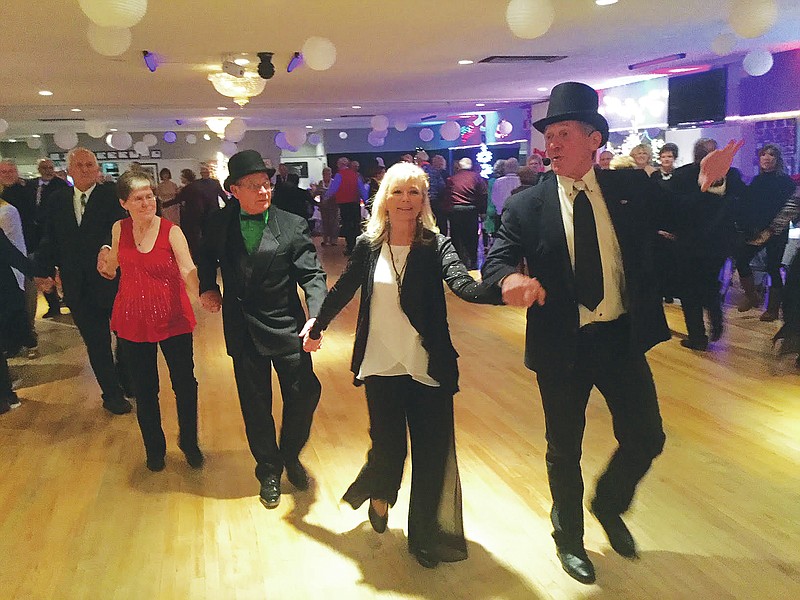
<point>358,116</point>
<point>533,58</point>
<point>66,120</point>
<point>428,118</point>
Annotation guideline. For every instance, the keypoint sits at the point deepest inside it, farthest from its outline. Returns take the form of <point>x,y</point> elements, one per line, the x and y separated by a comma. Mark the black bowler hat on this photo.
<point>244,163</point>
<point>573,101</point>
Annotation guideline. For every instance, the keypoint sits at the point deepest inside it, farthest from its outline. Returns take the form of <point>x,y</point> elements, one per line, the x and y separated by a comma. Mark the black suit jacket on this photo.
<point>74,249</point>
<point>23,198</point>
<point>532,229</point>
<point>261,300</point>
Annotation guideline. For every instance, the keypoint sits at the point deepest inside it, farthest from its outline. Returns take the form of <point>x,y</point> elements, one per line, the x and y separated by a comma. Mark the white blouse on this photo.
<point>394,347</point>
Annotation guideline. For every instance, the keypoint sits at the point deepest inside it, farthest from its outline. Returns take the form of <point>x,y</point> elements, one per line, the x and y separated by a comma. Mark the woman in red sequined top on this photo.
<point>152,308</point>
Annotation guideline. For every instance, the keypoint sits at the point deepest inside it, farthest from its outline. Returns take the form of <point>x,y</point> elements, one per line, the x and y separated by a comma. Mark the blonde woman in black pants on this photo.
<point>405,359</point>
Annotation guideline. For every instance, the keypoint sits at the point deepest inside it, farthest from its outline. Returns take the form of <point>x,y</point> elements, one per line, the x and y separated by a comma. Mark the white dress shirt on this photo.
<point>612,306</point>
<point>76,202</point>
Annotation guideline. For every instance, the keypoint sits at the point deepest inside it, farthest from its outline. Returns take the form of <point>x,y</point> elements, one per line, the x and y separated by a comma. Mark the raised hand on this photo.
<point>715,165</point>
<point>519,290</point>
<point>102,266</point>
<point>211,301</point>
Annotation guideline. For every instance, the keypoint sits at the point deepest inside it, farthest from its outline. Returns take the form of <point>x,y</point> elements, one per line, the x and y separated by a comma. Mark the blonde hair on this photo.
<point>622,162</point>
<point>377,229</point>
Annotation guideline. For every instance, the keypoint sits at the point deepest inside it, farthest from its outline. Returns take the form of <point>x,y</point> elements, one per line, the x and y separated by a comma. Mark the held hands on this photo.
<point>102,266</point>
<point>715,165</point>
<point>761,238</point>
<point>211,301</point>
<point>519,290</point>
<point>45,284</point>
<point>310,344</point>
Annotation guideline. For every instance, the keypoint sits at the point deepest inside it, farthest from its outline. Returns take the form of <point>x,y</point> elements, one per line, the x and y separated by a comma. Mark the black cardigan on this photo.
<point>421,298</point>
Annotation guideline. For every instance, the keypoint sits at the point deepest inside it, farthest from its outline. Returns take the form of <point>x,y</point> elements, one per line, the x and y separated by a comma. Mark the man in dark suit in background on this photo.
<point>44,186</point>
<point>78,225</point>
<point>198,200</point>
<point>594,309</point>
<point>466,197</point>
<point>264,253</point>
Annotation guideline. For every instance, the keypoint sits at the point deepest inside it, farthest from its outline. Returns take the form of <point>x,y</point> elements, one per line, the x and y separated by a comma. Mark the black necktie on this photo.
<point>588,268</point>
<point>248,217</point>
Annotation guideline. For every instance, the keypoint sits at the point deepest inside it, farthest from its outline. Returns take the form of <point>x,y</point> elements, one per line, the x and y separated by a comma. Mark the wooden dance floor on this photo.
<point>81,517</point>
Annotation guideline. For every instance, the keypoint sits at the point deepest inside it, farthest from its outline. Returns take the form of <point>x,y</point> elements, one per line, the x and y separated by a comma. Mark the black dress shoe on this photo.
<point>378,522</point>
<point>194,457</point>
<point>156,463</point>
<point>577,565</point>
<point>52,313</point>
<point>270,495</point>
<point>426,558</point>
<point>619,536</point>
<point>701,344</point>
<point>297,475</point>
<point>117,406</point>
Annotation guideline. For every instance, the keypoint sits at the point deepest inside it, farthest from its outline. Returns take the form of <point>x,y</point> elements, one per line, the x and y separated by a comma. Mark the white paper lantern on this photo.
<point>400,125</point>
<point>142,148</point>
<point>296,136</point>
<point>228,148</point>
<point>379,122</point>
<point>108,141</point>
<point>342,135</point>
<point>191,138</point>
<point>752,18</point>
<point>170,137</point>
<point>280,141</point>
<point>96,129</point>
<point>504,127</point>
<point>757,62</point>
<point>530,19</point>
<point>319,53</point>
<point>235,130</point>
<point>314,139</point>
<point>121,140</point>
<point>450,130</point>
<point>34,143</point>
<point>108,41</point>
<point>723,44</point>
<point>426,134</point>
<point>149,139</point>
<point>375,140</point>
<point>65,139</point>
<point>114,13</point>
<point>3,125</point>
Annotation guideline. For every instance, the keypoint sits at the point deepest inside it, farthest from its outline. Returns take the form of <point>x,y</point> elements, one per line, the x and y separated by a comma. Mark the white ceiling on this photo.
<point>394,57</point>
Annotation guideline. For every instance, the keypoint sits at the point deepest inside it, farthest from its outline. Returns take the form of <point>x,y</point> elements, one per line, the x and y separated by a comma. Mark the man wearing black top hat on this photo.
<point>594,309</point>
<point>264,253</point>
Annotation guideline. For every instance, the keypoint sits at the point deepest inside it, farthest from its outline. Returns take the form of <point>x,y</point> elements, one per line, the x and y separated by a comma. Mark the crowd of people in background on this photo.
<point>125,259</point>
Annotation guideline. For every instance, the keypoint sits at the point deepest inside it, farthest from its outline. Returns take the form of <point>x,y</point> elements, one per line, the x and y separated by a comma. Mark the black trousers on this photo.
<point>350,215</point>
<point>434,517</point>
<point>5,377</point>
<point>464,234</point>
<point>775,246</point>
<point>300,391</point>
<point>623,377</point>
<point>699,289</point>
<point>141,357</point>
<point>94,324</point>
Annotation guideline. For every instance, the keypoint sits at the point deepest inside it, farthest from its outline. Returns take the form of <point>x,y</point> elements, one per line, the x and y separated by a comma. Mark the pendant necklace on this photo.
<point>398,275</point>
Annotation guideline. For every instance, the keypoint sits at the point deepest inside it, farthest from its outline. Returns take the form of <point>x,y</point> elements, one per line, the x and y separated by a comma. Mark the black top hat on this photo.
<point>573,101</point>
<point>244,163</point>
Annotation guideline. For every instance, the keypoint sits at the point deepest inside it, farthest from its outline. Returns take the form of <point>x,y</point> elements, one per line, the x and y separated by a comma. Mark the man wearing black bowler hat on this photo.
<point>264,253</point>
<point>593,311</point>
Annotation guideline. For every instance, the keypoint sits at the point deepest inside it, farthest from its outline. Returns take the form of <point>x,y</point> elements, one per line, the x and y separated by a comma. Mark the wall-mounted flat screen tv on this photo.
<point>697,98</point>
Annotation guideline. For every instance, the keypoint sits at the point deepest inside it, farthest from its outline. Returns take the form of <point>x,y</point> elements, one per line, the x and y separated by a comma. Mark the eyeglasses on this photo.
<point>256,187</point>
<point>142,199</point>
